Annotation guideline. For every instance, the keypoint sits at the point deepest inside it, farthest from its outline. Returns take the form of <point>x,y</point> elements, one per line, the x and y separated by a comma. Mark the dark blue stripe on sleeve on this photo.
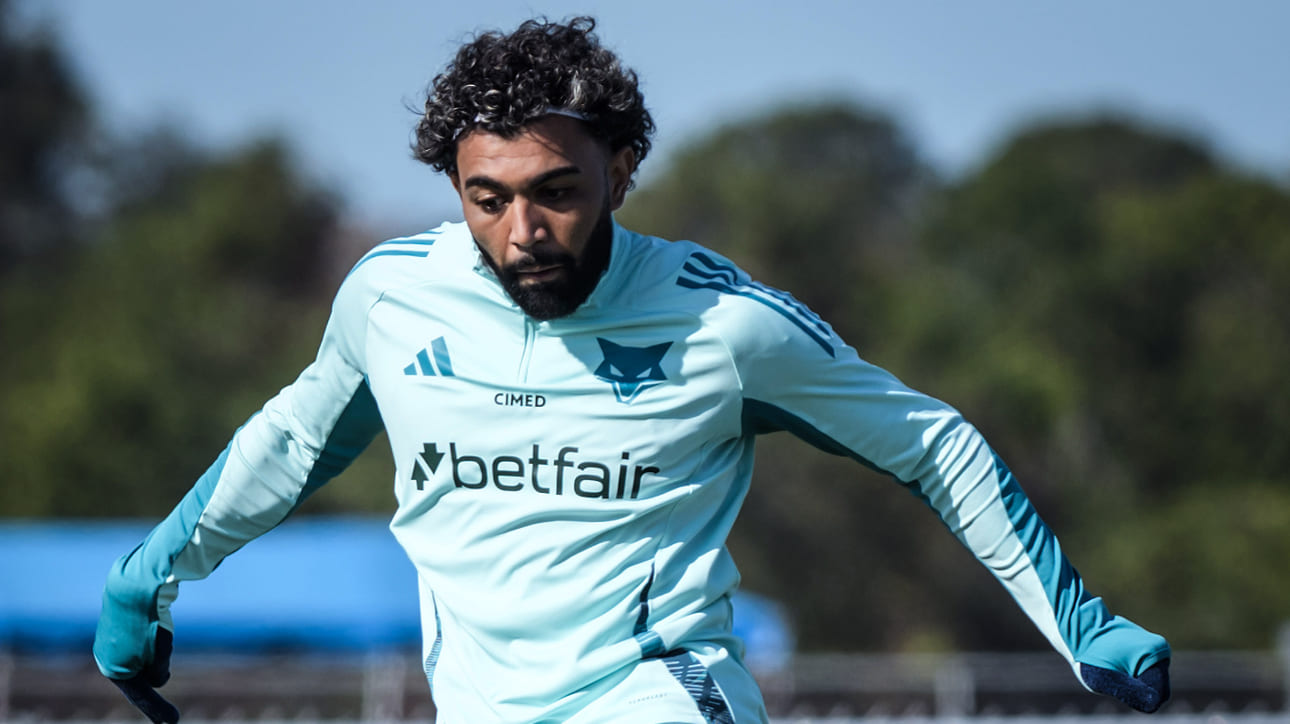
<point>358,423</point>
<point>789,314</point>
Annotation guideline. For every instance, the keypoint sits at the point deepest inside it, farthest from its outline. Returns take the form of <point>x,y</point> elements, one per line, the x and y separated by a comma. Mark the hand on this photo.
<point>1145,693</point>
<point>141,688</point>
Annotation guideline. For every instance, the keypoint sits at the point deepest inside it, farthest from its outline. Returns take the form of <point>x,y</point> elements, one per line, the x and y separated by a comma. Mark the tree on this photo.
<point>1124,341</point>
<point>169,329</point>
<point>44,128</point>
<point>140,329</point>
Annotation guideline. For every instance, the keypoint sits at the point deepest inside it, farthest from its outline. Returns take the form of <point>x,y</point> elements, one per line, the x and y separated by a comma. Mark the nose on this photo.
<point>528,224</point>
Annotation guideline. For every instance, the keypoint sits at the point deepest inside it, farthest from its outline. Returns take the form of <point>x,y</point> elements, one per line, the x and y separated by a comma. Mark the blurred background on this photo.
<point>1069,220</point>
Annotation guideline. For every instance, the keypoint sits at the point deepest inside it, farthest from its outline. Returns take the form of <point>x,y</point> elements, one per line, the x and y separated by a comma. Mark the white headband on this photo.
<point>567,113</point>
<point>548,111</point>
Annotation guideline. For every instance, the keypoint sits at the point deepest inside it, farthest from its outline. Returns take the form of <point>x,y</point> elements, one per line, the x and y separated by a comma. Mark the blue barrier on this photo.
<point>315,583</point>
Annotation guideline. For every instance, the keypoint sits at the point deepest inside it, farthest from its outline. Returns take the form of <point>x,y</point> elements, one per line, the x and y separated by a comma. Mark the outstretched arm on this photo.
<point>302,438</point>
<point>985,507</point>
<point>800,377</point>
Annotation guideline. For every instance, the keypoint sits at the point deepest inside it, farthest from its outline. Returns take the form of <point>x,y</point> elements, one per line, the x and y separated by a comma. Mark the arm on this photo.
<point>302,438</point>
<point>798,376</point>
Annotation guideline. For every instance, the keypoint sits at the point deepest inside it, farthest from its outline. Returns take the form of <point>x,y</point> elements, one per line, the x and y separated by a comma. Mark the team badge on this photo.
<point>631,370</point>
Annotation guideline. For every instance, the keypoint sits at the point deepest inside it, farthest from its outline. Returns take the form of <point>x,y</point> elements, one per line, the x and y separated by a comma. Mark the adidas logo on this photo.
<point>431,361</point>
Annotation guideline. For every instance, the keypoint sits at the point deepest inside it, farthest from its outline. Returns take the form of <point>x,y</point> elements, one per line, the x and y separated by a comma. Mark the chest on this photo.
<point>601,405</point>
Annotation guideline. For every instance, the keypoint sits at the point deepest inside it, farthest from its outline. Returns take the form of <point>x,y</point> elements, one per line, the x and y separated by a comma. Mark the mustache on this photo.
<point>539,259</point>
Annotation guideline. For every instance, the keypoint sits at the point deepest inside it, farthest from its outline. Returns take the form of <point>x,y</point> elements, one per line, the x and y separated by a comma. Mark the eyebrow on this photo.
<point>487,182</point>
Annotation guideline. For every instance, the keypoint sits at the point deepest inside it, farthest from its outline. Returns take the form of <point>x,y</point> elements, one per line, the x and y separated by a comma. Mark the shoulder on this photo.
<point>408,261</point>
<point>402,264</point>
<point>681,271</point>
<point>747,313</point>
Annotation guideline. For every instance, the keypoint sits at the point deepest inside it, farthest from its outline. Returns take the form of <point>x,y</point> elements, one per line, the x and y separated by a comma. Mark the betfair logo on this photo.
<point>564,474</point>
<point>631,370</point>
<point>441,364</point>
<point>429,459</point>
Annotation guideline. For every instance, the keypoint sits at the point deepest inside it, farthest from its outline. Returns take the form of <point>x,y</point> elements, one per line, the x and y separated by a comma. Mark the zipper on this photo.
<point>530,334</point>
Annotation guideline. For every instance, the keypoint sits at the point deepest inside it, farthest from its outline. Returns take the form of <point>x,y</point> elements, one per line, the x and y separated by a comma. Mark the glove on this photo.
<point>1145,693</point>
<point>141,688</point>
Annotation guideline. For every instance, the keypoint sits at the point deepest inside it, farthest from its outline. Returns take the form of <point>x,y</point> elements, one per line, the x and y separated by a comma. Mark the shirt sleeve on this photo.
<point>798,376</point>
<point>305,435</point>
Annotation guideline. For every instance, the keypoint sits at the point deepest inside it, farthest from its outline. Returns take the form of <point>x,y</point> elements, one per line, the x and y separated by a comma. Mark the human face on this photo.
<point>539,206</point>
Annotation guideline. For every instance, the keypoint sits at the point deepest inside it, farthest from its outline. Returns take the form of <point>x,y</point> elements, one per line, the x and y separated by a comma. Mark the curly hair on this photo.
<point>501,82</point>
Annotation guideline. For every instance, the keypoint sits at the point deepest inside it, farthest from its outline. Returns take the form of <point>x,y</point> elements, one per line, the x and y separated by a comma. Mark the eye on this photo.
<point>490,204</point>
<point>554,194</point>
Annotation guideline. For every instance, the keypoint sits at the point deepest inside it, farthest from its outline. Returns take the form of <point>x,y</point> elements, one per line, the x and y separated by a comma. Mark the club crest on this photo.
<point>631,370</point>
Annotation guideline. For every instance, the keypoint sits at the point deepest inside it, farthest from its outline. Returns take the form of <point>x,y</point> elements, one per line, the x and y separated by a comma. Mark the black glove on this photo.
<point>1145,693</point>
<point>141,689</point>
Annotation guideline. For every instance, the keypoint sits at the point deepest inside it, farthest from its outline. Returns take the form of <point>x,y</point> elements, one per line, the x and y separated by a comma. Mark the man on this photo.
<point>572,407</point>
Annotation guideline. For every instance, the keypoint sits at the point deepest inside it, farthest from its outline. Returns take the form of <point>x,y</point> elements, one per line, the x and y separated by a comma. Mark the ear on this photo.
<point>621,166</point>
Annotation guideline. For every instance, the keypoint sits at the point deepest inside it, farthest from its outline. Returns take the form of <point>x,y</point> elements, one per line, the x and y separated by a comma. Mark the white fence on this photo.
<point>1209,688</point>
<point>981,684</point>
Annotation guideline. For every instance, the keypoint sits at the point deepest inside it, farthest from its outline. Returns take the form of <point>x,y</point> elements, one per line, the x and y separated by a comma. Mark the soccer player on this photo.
<point>572,407</point>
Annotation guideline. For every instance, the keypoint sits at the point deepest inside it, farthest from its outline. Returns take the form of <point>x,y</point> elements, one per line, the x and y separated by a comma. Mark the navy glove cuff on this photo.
<point>141,688</point>
<point>147,700</point>
<point>1146,693</point>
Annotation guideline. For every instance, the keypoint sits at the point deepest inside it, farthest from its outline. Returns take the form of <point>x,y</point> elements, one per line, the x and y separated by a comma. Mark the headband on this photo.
<point>548,111</point>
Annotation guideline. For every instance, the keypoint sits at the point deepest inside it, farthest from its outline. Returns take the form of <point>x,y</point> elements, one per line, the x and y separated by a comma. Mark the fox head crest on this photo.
<point>631,369</point>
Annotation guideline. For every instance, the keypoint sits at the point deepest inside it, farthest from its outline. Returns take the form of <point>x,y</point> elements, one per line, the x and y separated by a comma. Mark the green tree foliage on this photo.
<point>43,124</point>
<point>168,330</point>
<point>190,291</point>
<point>1125,347</point>
<point>1025,239</point>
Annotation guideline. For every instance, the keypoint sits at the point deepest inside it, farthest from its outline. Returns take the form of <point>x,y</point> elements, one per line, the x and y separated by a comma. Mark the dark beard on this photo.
<point>561,296</point>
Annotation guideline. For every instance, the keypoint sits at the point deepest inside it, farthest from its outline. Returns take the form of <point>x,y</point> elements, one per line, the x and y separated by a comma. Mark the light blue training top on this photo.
<point>565,488</point>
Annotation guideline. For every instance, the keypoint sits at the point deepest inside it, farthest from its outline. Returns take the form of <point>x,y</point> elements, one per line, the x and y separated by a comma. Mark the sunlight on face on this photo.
<point>539,206</point>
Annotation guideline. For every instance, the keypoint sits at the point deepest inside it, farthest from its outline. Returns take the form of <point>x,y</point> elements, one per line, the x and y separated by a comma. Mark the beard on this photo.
<point>576,278</point>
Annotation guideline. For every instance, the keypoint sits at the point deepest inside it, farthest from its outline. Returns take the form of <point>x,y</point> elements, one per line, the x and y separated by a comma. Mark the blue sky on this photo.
<point>338,77</point>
